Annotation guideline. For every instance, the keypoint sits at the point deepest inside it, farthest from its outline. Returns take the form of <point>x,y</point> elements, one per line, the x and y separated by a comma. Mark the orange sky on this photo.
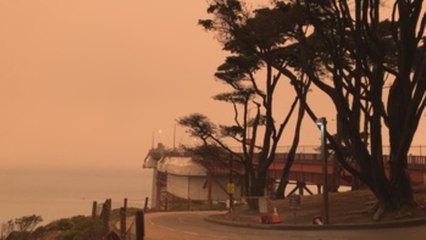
<point>87,82</point>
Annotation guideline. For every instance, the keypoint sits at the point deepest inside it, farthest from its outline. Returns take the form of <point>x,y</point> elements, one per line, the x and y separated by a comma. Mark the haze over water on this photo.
<point>60,193</point>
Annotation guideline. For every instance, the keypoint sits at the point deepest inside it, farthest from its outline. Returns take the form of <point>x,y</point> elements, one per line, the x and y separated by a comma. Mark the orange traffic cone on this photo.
<point>317,220</point>
<point>275,217</point>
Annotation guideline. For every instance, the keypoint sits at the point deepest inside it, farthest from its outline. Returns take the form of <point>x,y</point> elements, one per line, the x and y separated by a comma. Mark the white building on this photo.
<point>179,176</point>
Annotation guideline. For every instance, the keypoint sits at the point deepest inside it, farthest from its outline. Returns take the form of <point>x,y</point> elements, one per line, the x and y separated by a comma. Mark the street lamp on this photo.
<point>322,125</point>
<point>153,137</point>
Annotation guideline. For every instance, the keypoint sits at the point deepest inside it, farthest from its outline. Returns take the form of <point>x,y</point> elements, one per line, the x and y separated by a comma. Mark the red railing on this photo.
<point>412,160</point>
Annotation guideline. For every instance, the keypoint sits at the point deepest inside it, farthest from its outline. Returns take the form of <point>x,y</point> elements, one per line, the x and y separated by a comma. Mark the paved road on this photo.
<point>192,226</point>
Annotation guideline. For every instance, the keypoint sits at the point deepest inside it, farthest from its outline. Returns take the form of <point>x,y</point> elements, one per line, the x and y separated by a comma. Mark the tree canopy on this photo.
<point>372,68</point>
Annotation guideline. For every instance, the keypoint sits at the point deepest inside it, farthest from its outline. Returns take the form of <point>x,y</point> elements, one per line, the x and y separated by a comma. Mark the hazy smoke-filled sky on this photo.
<point>89,82</point>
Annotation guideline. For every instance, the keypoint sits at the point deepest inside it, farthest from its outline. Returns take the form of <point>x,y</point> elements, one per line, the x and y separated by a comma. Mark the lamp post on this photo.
<point>322,125</point>
<point>153,137</point>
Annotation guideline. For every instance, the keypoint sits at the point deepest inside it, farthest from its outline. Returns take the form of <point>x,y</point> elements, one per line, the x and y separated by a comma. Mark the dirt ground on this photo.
<point>344,208</point>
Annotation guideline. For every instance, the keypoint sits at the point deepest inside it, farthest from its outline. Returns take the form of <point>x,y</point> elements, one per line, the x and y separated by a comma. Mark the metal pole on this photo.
<point>322,123</point>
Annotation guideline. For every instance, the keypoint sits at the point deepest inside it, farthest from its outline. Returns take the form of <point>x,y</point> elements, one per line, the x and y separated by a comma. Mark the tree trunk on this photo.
<point>301,93</point>
<point>256,190</point>
<point>392,195</point>
<point>400,183</point>
<point>280,194</point>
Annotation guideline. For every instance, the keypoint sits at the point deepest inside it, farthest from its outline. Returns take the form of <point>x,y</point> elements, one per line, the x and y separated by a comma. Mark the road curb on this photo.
<point>379,225</point>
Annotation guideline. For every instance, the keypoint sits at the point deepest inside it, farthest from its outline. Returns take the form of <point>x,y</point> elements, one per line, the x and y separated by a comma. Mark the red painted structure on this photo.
<point>307,168</point>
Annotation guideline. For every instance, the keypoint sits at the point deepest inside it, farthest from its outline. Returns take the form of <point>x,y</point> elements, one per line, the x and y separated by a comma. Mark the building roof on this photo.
<point>184,166</point>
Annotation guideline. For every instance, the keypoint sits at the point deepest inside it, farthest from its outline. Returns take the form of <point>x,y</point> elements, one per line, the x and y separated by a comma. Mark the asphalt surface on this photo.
<point>192,226</point>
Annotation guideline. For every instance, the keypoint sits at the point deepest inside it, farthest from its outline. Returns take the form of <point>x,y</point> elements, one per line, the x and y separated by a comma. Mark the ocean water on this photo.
<point>59,193</point>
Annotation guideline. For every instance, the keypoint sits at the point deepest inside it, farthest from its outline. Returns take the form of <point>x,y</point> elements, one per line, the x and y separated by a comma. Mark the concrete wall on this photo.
<point>196,188</point>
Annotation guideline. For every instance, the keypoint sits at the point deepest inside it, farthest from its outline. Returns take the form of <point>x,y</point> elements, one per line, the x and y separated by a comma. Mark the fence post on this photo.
<point>94,207</point>
<point>125,204</point>
<point>106,209</point>
<point>123,223</point>
<point>140,225</point>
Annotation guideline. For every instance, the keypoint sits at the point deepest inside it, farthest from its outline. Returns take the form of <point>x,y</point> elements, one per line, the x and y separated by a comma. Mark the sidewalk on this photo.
<point>219,219</point>
<point>347,210</point>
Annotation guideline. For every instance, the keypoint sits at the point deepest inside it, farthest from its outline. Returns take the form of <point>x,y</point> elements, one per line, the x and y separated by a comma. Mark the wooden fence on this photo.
<point>130,226</point>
